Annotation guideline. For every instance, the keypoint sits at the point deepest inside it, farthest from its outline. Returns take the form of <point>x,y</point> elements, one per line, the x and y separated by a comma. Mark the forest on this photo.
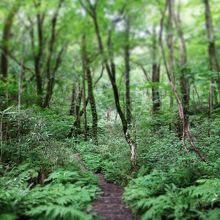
<point>110,109</point>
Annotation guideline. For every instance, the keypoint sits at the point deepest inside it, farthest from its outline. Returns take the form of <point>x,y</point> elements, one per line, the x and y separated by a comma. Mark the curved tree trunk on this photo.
<point>111,71</point>
<point>184,82</point>
<point>186,132</point>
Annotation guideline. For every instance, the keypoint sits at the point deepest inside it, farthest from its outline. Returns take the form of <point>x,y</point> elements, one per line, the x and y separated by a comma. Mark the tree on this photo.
<point>184,82</point>
<point>91,97</point>
<point>127,70</point>
<point>111,71</point>
<point>156,103</point>
<point>39,55</point>
<point>185,126</point>
<point>212,52</point>
<point>49,71</point>
<point>6,38</point>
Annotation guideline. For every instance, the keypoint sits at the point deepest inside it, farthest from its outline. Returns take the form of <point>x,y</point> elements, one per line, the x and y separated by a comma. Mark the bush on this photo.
<point>159,195</point>
<point>65,195</point>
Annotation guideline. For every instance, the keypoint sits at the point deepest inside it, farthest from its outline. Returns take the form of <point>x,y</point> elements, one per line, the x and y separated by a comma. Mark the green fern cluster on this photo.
<point>155,197</point>
<point>65,195</point>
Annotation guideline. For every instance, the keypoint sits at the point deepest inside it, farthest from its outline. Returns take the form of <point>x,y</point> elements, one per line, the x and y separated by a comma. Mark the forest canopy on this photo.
<point>109,97</point>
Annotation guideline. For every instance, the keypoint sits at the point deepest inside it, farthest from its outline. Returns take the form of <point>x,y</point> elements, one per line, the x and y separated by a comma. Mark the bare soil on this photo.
<point>110,205</point>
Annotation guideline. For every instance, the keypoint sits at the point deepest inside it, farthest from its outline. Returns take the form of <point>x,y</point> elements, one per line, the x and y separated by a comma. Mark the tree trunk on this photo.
<point>39,52</point>
<point>51,73</point>
<point>73,101</point>
<point>84,105</point>
<point>155,90</point>
<point>156,103</point>
<point>6,37</point>
<point>184,82</point>
<point>127,71</point>
<point>186,132</point>
<point>75,130</point>
<point>91,97</point>
<point>111,71</point>
<point>212,52</point>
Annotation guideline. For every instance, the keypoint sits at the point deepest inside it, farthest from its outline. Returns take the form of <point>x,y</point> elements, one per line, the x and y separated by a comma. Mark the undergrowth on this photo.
<point>41,177</point>
<point>173,184</point>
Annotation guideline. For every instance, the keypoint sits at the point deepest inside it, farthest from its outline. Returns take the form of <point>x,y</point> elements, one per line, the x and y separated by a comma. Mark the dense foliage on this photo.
<point>129,89</point>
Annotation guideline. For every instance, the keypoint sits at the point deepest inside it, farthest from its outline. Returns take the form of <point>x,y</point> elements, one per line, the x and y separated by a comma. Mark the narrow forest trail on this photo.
<point>110,205</point>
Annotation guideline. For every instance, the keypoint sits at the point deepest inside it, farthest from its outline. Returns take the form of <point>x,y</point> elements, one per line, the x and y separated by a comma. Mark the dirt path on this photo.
<point>110,205</point>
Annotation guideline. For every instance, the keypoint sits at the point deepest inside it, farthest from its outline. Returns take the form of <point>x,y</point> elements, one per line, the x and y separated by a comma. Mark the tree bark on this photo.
<point>127,71</point>
<point>184,82</point>
<point>39,54</point>
<point>75,130</point>
<point>156,103</point>
<point>91,97</point>
<point>73,100</point>
<point>84,104</point>
<point>49,71</point>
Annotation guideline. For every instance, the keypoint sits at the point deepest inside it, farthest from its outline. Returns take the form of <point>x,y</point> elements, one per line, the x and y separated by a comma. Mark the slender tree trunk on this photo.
<point>84,106</point>
<point>51,79</point>
<point>51,72</point>
<point>38,53</point>
<point>156,103</point>
<point>6,37</point>
<point>127,71</point>
<point>91,97</point>
<point>77,123</point>
<point>212,52</point>
<point>186,133</point>
<point>170,47</point>
<point>20,81</point>
<point>79,113</point>
<point>73,101</point>
<point>155,90</point>
<point>76,128</point>
<point>184,82</point>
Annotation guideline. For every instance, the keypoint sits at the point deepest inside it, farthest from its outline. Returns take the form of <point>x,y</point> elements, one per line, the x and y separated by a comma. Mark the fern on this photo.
<point>66,194</point>
<point>199,200</point>
<point>50,212</point>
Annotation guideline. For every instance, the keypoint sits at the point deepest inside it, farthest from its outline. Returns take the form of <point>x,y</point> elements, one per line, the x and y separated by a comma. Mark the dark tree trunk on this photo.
<point>127,72</point>
<point>86,69</point>
<point>84,105</point>
<point>51,79</point>
<point>76,128</point>
<point>111,71</point>
<point>156,103</point>
<point>38,55</point>
<point>51,72</point>
<point>155,90</point>
<point>73,101</point>
<point>6,37</point>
